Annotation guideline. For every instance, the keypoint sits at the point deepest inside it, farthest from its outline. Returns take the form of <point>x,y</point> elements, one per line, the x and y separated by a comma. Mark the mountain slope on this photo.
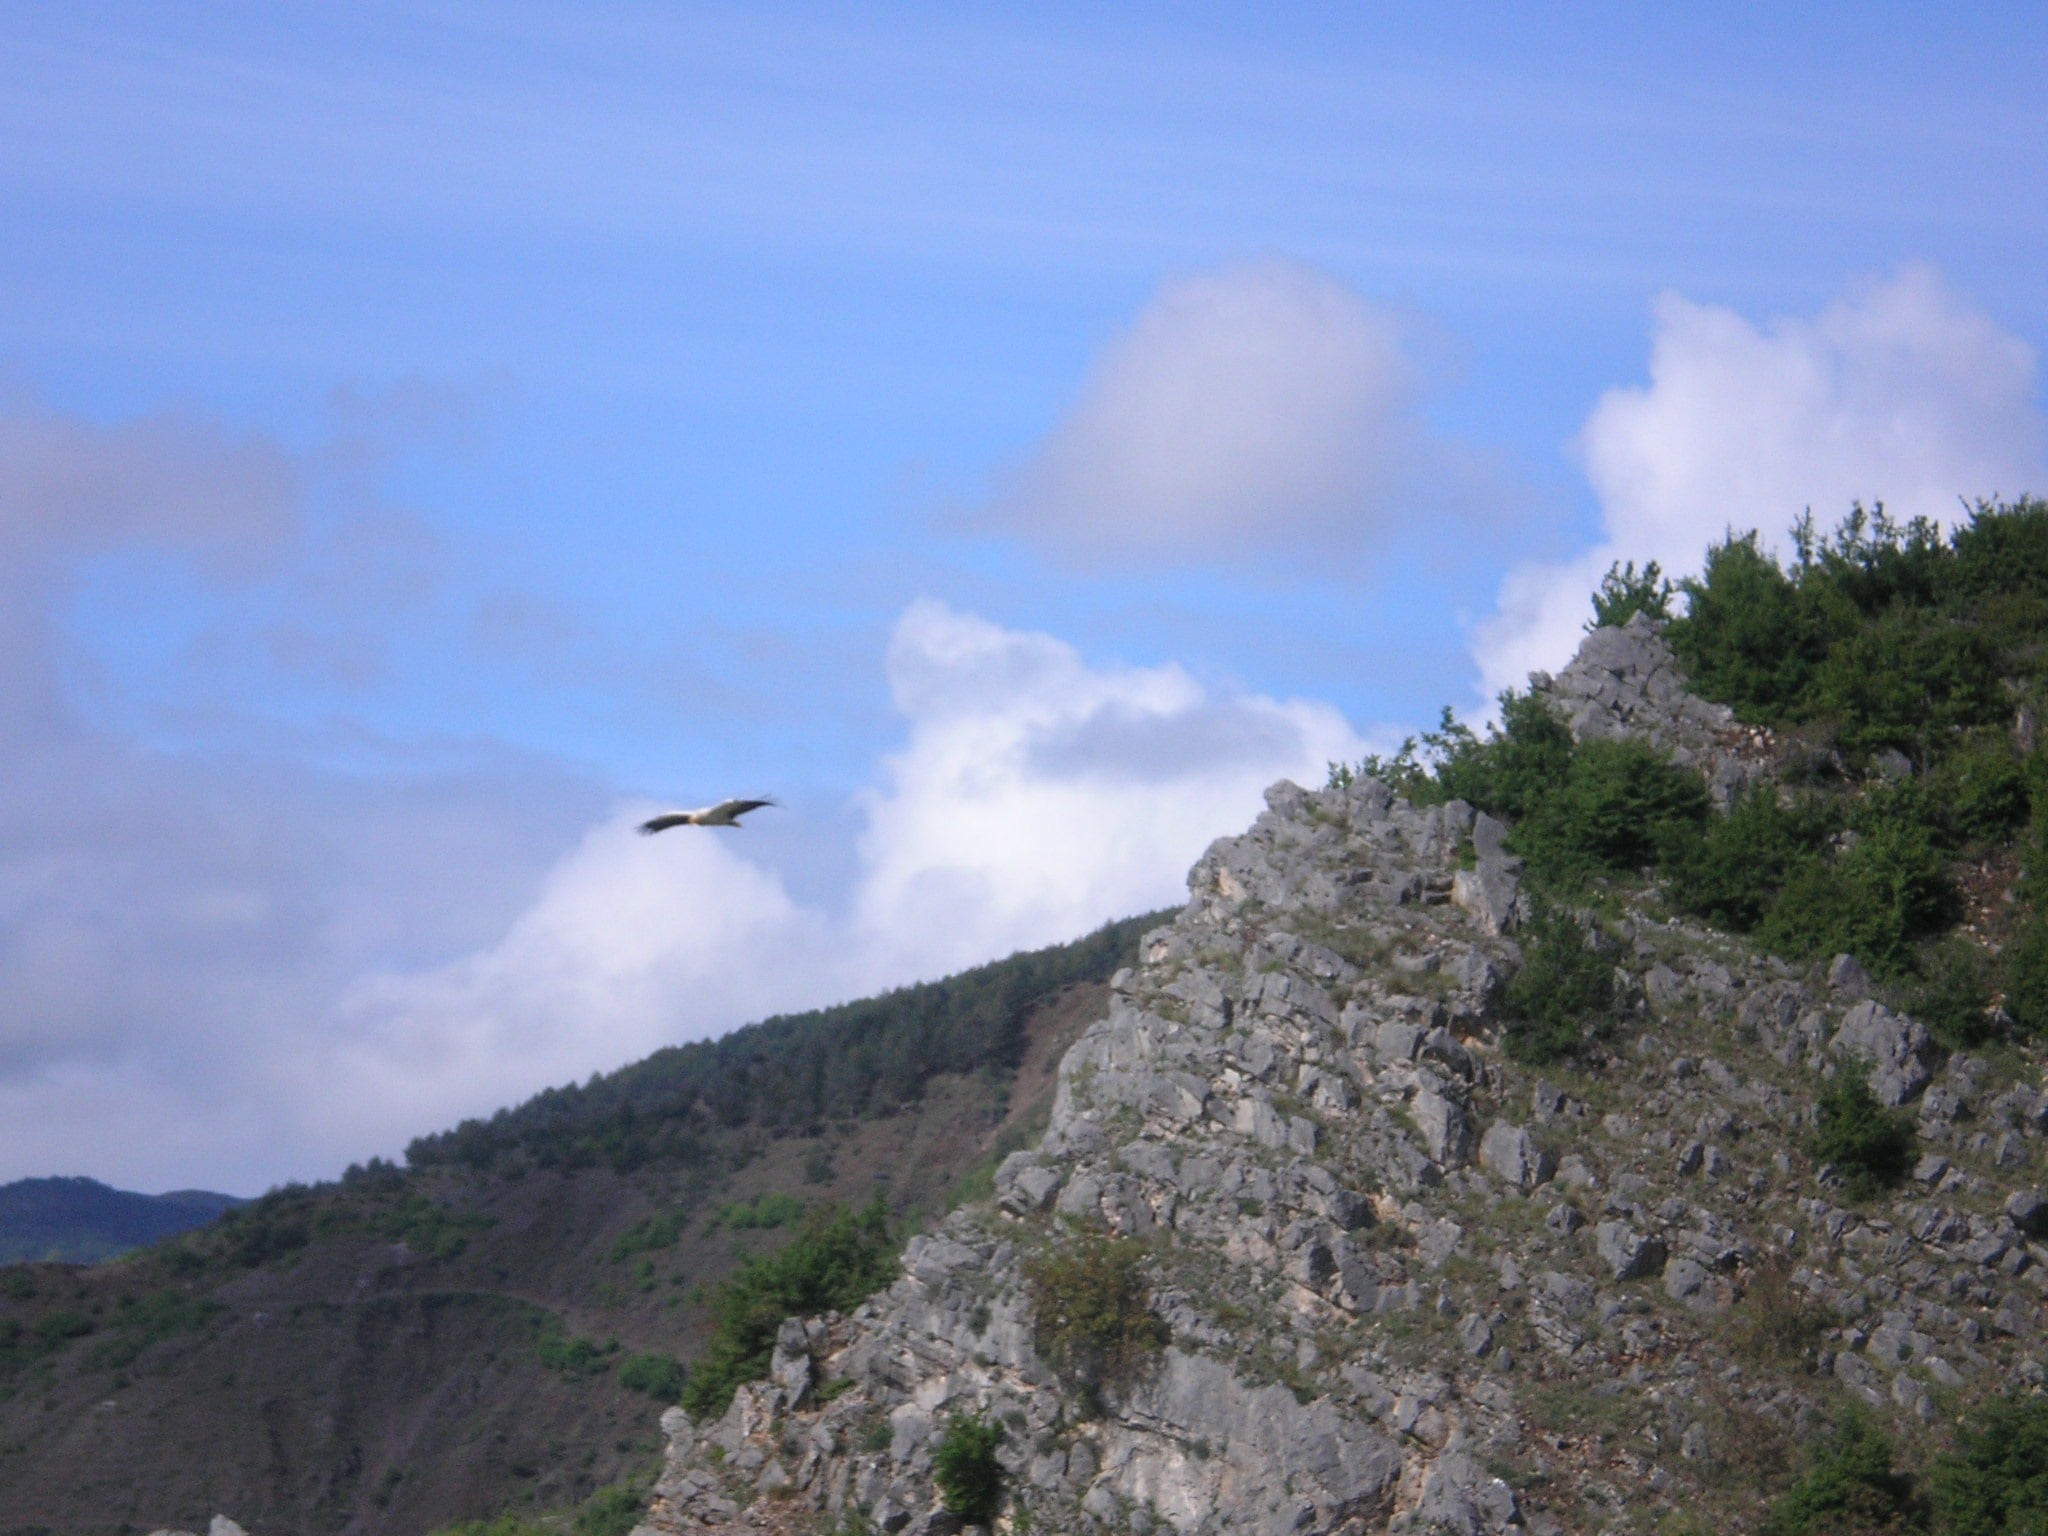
<point>412,1347</point>
<point>82,1221</point>
<point>1436,1173</point>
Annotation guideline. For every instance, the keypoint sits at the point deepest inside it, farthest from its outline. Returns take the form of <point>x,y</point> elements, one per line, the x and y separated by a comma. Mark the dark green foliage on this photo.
<point>268,1229</point>
<point>1091,1313</point>
<point>1729,869</point>
<point>1563,996</point>
<point>610,1512</point>
<point>1996,1481</point>
<point>1952,994</point>
<point>1746,638</point>
<point>1615,804</point>
<point>1893,635</point>
<point>652,1235</point>
<point>656,1375</point>
<point>965,1468</point>
<point>501,1525</point>
<point>1850,1489</point>
<point>1869,1145</point>
<point>837,1261</point>
<point>574,1358</point>
<point>1873,902</point>
<point>1515,769</point>
<point>2025,963</point>
<point>65,1323</point>
<point>1986,790</point>
<point>764,1213</point>
<point>425,1226</point>
<point>1624,593</point>
<point>789,1074</point>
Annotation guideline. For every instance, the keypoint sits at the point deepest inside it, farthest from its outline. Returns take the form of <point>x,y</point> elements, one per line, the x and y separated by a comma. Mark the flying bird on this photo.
<point>726,813</point>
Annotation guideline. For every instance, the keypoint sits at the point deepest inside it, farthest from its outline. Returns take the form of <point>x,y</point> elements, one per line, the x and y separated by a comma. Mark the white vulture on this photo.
<point>726,813</point>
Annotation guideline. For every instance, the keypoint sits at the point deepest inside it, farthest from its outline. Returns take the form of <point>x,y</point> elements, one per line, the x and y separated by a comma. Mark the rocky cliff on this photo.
<point>1405,1283</point>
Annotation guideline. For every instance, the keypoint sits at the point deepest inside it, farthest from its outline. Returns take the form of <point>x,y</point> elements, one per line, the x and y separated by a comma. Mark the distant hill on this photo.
<point>498,1325</point>
<point>82,1221</point>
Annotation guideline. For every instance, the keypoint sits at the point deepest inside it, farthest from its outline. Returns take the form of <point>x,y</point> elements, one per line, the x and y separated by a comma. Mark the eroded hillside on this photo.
<point>497,1327</point>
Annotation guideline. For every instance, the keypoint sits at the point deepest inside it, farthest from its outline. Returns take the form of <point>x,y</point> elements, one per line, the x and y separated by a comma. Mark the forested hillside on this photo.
<point>785,1074</point>
<point>497,1326</point>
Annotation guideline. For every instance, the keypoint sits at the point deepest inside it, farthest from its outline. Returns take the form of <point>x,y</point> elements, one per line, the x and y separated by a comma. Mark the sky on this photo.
<point>435,436</point>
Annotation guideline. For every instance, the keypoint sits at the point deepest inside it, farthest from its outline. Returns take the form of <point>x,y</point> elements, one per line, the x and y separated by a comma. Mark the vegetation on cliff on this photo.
<point>1902,674</point>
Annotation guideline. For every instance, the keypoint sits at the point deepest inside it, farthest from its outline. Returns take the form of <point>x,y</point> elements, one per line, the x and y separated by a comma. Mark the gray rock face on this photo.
<point>1280,1107</point>
<point>1626,1253</point>
<point>1509,1151</point>
<point>1626,682</point>
<point>1897,1049</point>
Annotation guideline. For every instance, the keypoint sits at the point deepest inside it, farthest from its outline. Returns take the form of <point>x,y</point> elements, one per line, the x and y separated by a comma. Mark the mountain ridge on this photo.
<point>79,1220</point>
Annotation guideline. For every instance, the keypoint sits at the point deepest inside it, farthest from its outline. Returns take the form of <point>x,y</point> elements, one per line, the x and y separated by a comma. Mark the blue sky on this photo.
<point>435,432</point>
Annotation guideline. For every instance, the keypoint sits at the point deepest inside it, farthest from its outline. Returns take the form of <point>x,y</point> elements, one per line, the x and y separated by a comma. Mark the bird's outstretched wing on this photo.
<point>731,810</point>
<point>664,821</point>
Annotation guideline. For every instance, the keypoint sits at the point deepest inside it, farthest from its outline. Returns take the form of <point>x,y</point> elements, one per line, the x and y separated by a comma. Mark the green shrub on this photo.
<point>1091,1312</point>
<point>1952,993</point>
<point>65,1323</point>
<point>2025,967</point>
<point>1873,901</point>
<point>1729,869</point>
<point>1996,1481</point>
<point>763,1213</point>
<point>572,1357</point>
<point>1563,996</point>
<point>837,1261</point>
<point>1987,791</point>
<point>140,1321</point>
<point>1624,593</point>
<point>964,1466</point>
<point>611,1511</point>
<point>501,1525</point>
<point>1515,769</point>
<point>1849,1489</point>
<point>656,1375</point>
<point>651,1235</point>
<point>1616,804</point>
<point>1746,638</point>
<point>1869,1145</point>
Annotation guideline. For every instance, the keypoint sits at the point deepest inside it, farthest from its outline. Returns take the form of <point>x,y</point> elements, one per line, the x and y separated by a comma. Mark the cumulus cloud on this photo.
<point>1037,796</point>
<point>1034,797</point>
<point>1264,410</point>
<point>1899,392</point>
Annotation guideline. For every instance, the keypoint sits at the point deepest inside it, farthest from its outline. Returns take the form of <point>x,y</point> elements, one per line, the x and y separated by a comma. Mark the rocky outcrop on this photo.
<point>1405,1284</point>
<point>1626,681</point>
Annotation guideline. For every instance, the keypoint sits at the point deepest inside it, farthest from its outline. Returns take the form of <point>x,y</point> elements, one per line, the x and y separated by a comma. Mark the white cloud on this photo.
<point>1034,797</point>
<point>1038,796</point>
<point>222,973</point>
<point>1899,392</point>
<point>1263,410</point>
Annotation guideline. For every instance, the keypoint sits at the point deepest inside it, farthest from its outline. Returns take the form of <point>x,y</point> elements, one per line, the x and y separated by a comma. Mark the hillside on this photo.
<point>482,1330</point>
<point>82,1221</point>
<point>1444,1167</point>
